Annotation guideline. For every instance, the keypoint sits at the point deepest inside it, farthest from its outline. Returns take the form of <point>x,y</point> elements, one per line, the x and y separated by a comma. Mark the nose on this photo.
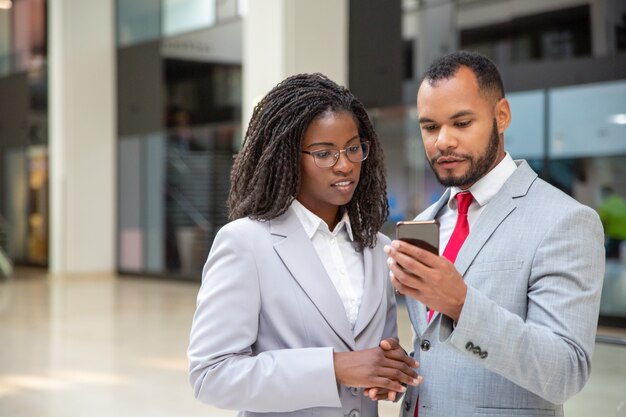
<point>446,139</point>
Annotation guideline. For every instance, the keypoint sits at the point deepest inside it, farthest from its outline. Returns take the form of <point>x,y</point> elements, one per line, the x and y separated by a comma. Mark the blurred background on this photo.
<point>119,120</point>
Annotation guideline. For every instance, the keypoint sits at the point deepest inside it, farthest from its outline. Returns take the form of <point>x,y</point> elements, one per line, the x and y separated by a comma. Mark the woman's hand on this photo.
<point>375,393</point>
<point>377,368</point>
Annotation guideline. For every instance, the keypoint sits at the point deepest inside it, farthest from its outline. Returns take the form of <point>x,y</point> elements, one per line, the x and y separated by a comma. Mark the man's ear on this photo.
<point>503,115</point>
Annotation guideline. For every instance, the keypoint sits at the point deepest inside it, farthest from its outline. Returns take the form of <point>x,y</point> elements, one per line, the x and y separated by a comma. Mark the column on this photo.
<point>82,145</point>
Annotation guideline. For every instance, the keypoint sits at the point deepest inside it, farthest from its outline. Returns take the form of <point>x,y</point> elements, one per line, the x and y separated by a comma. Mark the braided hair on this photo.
<point>266,174</point>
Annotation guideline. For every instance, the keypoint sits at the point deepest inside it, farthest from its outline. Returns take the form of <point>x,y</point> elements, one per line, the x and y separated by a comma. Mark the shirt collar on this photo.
<point>312,223</point>
<point>488,186</point>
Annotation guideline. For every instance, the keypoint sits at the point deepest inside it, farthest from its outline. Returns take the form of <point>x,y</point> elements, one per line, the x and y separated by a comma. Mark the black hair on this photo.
<point>486,72</point>
<point>266,173</point>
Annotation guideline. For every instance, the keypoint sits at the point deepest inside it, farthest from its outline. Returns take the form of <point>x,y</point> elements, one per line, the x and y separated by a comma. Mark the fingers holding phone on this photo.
<point>433,280</point>
<point>420,234</point>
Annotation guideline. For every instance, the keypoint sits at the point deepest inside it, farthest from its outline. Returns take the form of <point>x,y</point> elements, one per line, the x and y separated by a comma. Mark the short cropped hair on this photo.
<point>486,72</point>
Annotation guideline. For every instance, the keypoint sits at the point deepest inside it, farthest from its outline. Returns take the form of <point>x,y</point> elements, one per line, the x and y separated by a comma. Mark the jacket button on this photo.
<point>469,346</point>
<point>354,391</point>
<point>483,355</point>
<point>476,350</point>
<point>425,345</point>
<point>354,413</point>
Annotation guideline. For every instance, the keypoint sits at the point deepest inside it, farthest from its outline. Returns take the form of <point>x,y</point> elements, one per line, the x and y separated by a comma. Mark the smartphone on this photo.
<point>423,234</point>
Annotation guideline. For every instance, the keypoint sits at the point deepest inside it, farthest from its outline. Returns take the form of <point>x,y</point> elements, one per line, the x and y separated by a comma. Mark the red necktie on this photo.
<point>460,232</point>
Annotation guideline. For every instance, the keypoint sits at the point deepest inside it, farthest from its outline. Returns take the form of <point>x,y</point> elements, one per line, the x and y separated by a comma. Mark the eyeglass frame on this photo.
<point>337,155</point>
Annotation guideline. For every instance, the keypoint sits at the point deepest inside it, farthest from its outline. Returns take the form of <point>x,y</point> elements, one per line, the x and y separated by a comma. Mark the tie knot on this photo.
<point>463,201</point>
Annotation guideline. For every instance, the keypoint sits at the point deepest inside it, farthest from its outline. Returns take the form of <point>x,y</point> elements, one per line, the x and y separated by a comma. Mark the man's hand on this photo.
<point>375,393</point>
<point>376,367</point>
<point>429,278</point>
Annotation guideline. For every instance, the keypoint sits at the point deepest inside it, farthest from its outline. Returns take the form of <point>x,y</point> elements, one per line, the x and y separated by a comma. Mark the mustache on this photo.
<point>453,155</point>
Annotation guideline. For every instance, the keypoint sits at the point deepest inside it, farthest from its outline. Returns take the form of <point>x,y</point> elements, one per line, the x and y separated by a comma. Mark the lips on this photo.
<point>345,186</point>
<point>448,159</point>
<point>449,162</point>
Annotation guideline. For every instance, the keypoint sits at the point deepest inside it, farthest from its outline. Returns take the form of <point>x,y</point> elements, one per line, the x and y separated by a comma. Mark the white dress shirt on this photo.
<point>336,250</point>
<point>483,191</point>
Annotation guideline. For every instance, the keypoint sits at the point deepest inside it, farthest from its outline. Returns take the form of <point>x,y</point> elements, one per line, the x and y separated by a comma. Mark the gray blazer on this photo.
<point>534,266</point>
<point>268,319</point>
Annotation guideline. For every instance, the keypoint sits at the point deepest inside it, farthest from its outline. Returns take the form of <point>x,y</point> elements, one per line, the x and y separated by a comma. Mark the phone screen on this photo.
<point>423,234</point>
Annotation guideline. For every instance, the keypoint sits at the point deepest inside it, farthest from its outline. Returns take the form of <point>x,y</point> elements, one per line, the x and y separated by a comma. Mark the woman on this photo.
<point>295,297</point>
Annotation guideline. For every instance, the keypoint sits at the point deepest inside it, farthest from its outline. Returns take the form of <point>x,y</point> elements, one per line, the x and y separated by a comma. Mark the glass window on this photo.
<point>5,42</point>
<point>588,120</point>
<point>132,230</point>
<point>26,212</point>
<point>524,137</point>
<point>29,31</point>
<point>16,186</point>
<point>138,21</point>
<point>186,15</point>
<point>154,184</point>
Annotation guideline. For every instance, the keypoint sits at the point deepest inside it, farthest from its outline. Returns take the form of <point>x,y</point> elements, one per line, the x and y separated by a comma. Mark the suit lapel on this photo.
<point>419,309</point>
<point>373,289</point>
<point>299,256</point>
<point>431,212</point>
<point>498,209</point>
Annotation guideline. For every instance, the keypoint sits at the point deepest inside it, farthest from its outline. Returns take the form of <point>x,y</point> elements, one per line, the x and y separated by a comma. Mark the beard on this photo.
<point>479,166</point>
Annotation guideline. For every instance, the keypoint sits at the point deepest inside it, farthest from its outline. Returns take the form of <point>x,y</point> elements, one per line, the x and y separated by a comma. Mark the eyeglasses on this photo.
<point>326,158</point>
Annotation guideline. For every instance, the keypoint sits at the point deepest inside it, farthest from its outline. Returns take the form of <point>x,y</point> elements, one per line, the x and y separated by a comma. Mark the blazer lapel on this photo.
<point>498,209</point>
<point>429,214</point>
<point>299,256</point>
<point>373,290</point>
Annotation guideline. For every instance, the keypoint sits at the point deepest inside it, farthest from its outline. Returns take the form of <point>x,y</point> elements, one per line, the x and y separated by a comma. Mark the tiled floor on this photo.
<point>75,346</point>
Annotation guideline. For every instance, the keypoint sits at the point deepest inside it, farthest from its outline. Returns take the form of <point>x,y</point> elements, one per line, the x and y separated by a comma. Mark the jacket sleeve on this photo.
<point>549,352</point>
<point>391,324</point>
<point>223,369</point>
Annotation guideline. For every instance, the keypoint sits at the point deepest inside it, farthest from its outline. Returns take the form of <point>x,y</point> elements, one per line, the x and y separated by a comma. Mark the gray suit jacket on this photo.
<point>268,319</point>
<point>534,266</point>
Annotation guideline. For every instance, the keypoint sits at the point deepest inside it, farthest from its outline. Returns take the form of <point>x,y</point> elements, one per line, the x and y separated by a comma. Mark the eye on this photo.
<point>464,123</point>
<point>353,149</point>
<point>429,128</point>
<point>321,154</point>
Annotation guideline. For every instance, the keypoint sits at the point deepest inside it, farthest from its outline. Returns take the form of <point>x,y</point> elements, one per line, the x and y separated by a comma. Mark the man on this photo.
<point>514,312</point>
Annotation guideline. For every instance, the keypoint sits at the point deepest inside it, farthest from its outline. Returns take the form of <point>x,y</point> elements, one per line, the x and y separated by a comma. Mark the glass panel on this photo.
<point>37,243</point>
<point>606,183</point>
<point>154,208</point>
<point>525,138</point>
<point>5,42</point>
<point>131,234</point>
<point>588,120</point>
<point>186,15</point>
<point>16,186</point>
<point>29,30</point>
<point>138,21</point>
<point>199,160</point>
